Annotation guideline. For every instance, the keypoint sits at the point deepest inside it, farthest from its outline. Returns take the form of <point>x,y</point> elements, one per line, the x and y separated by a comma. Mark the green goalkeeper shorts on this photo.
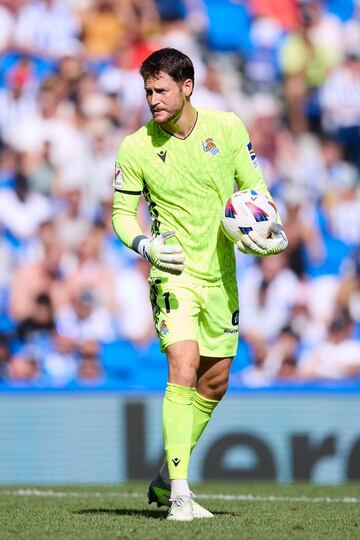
<point>184,309</point>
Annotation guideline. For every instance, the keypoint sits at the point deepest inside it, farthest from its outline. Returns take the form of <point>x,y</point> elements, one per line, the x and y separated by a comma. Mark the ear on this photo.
<point>188,87</point>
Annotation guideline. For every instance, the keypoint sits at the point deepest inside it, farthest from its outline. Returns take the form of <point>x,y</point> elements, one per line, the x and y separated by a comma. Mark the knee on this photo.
<point>183,363</point>
<point>184,374</point>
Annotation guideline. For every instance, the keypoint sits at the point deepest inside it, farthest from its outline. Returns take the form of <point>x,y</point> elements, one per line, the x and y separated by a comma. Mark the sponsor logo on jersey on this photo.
<point>253,157</point>
<point>162,155</point>
<point>231,331</point>
<point>209,146</point>
<point>163,328</point>
<point>118,182</point>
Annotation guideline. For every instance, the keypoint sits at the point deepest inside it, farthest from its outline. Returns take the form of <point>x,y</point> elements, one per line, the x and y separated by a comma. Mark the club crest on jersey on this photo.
<point>209,146</point>
<point>163,328</point>
<point>252,154</point>
<point>118,182</point>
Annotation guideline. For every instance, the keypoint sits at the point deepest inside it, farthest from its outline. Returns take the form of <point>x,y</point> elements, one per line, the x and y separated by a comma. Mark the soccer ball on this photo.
<point>245,211</point>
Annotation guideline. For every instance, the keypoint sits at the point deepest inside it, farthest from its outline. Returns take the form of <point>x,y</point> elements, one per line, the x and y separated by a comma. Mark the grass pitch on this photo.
<point>242,511</point>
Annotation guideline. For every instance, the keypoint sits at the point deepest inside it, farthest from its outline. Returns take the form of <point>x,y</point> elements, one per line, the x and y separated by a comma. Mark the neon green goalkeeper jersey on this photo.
<point>186,183</point>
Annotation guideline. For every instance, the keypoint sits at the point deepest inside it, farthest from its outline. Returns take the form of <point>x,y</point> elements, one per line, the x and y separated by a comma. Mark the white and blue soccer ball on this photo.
<point>247,210</point>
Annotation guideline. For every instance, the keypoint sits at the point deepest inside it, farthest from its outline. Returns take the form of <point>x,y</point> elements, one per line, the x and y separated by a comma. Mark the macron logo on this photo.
<point>162,155</point>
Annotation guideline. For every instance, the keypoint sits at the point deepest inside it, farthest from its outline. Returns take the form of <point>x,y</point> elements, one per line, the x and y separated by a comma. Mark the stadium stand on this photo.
<point>74,308</point>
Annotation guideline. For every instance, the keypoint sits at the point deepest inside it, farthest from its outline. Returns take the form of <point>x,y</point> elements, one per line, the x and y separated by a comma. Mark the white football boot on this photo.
<point>199,512</point>
<point>184,508</point>
<point>181,509</point>
<point>159,493</point>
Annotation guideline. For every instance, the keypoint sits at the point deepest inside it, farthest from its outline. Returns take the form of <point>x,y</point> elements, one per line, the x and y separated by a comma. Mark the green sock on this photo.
<point>202,411</point>
<point>177,426</point>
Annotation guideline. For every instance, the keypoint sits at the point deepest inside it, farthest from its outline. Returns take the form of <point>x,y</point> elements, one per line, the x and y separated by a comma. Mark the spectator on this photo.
<point>264,120</point>
<point>311,330</point>
<point>43,175</point>
<point>307,56</point>
<point>103,29</point>
<point>45,28</point>
<point>336,358</point>
<point>134,316</point>
<point>35,249</point>
<point>60,363</point>
<point>23,369</point>
<point>182,27</point>
<point>84,320</point>
<point>261,69</point>
<point>340,100</point>
<point>268,292</point>
<point>90,371</point>
<point>71,223</point>
<point>324,27</point>
<point>307,245</point>
<point>211,94</point>
<point>282,354</point>
<point>119,79</point>
<point>17,98</point>
<point>71,70</point>
<point>22,209</point>
<point>35,277</point>
<point>256,374</point>
<point>7,24</point>
<point>90,272</point>
<point>36,329</point>
<point>99,164</point>
<point>344,206</point>
<point>54,124</point>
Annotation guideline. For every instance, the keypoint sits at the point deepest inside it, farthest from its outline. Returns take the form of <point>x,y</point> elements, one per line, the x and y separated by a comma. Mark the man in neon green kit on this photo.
<point>185,162</point>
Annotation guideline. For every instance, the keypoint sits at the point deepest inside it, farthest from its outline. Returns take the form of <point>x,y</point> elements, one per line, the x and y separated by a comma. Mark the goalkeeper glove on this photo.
<point>167,258</point>
<point>254,244</point>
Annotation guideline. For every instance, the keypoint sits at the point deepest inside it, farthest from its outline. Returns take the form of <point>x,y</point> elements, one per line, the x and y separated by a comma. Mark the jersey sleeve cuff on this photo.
<point>139,244</point>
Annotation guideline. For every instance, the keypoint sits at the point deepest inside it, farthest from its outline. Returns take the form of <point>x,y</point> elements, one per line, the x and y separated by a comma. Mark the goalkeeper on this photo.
<point>185,161</point>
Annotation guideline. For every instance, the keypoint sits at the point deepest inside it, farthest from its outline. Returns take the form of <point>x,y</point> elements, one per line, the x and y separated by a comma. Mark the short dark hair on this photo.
<point>170,61</point>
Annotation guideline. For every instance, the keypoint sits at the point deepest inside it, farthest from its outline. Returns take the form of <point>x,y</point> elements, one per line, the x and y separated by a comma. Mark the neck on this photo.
<point>183,125</point>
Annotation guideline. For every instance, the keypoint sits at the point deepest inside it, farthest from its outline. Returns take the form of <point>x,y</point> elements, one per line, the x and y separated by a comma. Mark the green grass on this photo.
<point>122,513</point>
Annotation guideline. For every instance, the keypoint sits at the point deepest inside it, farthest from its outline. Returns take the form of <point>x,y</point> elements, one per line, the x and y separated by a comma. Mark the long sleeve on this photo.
<point>128,185</point>
<point>124,217</point>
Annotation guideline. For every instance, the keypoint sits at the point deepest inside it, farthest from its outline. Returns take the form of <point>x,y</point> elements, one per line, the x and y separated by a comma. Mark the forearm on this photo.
<point>127,229</point>
<point>124,220</point>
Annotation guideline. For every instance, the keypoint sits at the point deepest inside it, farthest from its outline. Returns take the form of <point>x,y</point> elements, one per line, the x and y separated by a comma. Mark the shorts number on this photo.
<point>166,295</point>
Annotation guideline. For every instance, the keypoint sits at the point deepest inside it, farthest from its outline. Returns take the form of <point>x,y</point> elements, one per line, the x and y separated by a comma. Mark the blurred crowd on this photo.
<point>69,93</point>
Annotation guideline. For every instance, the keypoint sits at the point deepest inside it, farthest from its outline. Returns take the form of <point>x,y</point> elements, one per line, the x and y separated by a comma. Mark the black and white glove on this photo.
<point>255,244</point>
<point>167,258</point>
